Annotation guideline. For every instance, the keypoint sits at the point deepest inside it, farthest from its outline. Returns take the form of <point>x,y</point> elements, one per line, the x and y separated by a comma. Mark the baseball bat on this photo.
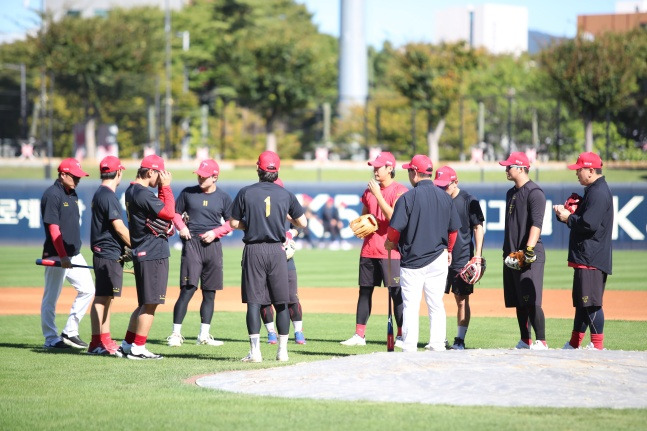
<point>49,262</point>
<point>390,342</point>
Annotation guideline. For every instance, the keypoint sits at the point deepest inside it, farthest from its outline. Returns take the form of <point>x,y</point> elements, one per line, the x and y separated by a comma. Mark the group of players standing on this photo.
<point>424,237</point>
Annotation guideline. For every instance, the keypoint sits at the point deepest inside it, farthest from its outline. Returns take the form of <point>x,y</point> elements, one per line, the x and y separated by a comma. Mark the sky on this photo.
<point>399,21</point>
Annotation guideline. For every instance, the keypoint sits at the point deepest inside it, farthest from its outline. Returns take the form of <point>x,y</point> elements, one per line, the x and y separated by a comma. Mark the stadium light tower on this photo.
<point>353,56</point>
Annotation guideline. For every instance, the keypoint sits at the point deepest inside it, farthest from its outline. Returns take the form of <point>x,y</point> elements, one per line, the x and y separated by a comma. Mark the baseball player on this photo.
<point>589,248</point>
<point>150,223</point>
<point>204,206</point>
<point>108,238</point>
<point>471,215</point>
<point>523,276</point>
<point>294,306</point>
<point>424,227</point>
<point>59,208</point>
<point>264,207</point>
<point>378,199</point>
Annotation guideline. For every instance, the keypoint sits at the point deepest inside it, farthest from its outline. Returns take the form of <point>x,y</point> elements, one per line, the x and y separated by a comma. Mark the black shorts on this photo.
<point>588,287</point>
<point>201,263</point>
<point>457,285</point>
<point>523,288</point>
<point>264,277</point>
<point>151,278</point>
<point>108,276</point>
<point>374,272</point>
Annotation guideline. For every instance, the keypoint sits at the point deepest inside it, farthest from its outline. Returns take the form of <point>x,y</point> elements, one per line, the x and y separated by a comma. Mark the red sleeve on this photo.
<point>178,222</point>
<point>57,239</point>
<point>392,235</point>
<point>165,194</point>
<point>223,230</point>
<point>452,240</point>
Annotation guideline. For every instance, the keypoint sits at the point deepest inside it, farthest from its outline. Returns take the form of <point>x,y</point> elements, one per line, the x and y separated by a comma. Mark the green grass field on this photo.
<point>44,390</point>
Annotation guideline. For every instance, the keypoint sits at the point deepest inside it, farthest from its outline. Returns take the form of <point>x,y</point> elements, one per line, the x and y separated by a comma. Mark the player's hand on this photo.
<point>66,262</point>
<point>374,187</point>
<point>208,236</point>
<point>185,234</point>
<point>561,213</point>
<point>389,245</point>
<point>449,258</point>
<point>165,178</point>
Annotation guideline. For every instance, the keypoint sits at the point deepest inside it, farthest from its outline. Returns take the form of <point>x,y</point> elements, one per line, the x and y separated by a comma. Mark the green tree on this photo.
<point>594,77</point>
<point>430,77</point>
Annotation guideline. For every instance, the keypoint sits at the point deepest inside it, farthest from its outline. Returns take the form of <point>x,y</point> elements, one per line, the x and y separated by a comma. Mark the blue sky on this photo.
<point>399,21</point>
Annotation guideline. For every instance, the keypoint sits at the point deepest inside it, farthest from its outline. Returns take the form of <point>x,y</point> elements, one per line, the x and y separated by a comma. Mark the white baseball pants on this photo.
<point>430,280</point>
<point>81,280</point>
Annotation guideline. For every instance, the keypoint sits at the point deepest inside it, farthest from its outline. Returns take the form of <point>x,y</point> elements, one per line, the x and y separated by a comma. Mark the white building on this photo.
<point>631,6</point>
<point>90,8</point>
<point>501,29</point>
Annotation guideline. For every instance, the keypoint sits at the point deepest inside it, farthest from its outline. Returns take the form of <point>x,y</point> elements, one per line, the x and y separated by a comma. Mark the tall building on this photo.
<point>90,8</point>
<point>501,29</point>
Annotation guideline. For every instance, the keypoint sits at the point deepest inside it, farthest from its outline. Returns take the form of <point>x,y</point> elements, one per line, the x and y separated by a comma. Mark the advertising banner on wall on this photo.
<point>20,220</point>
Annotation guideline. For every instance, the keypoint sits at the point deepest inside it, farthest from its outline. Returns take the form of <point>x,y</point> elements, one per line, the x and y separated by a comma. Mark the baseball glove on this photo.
<point>290,248</point>
<point>572,203</point>
<point>126,256</point>
<point>473,270</point>
<point>364,225</point>
<point>160,228</point>
<point>520,259</point>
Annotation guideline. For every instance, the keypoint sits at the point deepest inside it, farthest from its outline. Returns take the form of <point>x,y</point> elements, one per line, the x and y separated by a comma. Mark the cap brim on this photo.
<point>505,163</point>
<point>79,174</point>
<point>407,166</point>
<point>442,183</point>
<point>574,166</point>
<point>376,165</point>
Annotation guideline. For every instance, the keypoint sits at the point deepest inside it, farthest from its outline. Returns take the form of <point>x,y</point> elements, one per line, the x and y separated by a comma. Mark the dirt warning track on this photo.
<point>618,305</point>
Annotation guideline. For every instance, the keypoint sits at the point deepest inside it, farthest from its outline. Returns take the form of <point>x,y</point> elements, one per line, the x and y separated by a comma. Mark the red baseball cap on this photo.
<point>73,167</point>
<point>279,182</point>
<point>518,159</point>
<point>208,168</point>
<point>153,162</point>
<point>444,176</point>
<point>587,160</point>
<point>269,161</point>
<point>420,163</point>
<point>383,159</point>
<point>110,164</point>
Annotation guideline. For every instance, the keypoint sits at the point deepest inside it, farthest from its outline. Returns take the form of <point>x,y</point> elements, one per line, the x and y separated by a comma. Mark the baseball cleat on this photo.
<point>355,340</point>
<point>282,355</point>
<point>208,341</point>
<point>522,345</point>
<point>74,341</point>
<point>272,338</point>
<point>539,345</point>
<point>141,352</point>
<point>590,346</point>
<point>568,346</point>
<point>299,338</point>
<point>253,357</point>
<point>174,340</point>
<point>459,344</point>
<point>101,349</point>
<point>58,345</point>
<point>399,342</point>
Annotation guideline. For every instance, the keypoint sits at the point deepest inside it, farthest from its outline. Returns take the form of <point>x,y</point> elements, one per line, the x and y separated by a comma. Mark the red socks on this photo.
<point>360,330</point>
<point>140,340</point>
<point>576,339</point>
<point>598,341</point>
<point>130,337</point>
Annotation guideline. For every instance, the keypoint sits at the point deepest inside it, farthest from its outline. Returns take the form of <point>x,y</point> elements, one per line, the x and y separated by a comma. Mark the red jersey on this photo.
<point>373,245</point>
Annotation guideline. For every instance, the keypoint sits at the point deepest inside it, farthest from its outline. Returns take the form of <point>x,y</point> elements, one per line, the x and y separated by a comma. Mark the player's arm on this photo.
<point>121,230</point>
<point>165,194</point>
<point>300,222</point>
<point>236,224</point>
<point>479,235</point>
<point>57,239</point>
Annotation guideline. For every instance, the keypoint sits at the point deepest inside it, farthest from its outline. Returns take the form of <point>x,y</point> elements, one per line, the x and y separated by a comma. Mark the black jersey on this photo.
<point>263,207</point>
<point>205,210</point>
<point>424,216</point>
<point>62,209</point>
<point>471,215</point>
<point>142,204</point>
<point>104,241</point>
<point>525,207</point>
<point>591,227</point>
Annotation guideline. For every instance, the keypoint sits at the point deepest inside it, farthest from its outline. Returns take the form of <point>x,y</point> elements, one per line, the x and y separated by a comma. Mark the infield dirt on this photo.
<point>618,305</point>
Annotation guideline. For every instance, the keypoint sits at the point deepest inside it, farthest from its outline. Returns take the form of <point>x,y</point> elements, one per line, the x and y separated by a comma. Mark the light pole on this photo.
<point>167,101</point>
<point>510,95</point>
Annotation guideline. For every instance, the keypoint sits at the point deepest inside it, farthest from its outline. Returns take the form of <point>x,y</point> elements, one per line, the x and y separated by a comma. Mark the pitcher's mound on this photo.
<point>553,378</point>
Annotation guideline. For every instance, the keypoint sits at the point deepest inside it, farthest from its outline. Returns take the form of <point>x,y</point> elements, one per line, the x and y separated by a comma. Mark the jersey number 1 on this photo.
<point>267,206</point>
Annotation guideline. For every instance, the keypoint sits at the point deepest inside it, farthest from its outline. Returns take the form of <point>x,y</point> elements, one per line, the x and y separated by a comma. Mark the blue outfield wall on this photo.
<point>20,221</point>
